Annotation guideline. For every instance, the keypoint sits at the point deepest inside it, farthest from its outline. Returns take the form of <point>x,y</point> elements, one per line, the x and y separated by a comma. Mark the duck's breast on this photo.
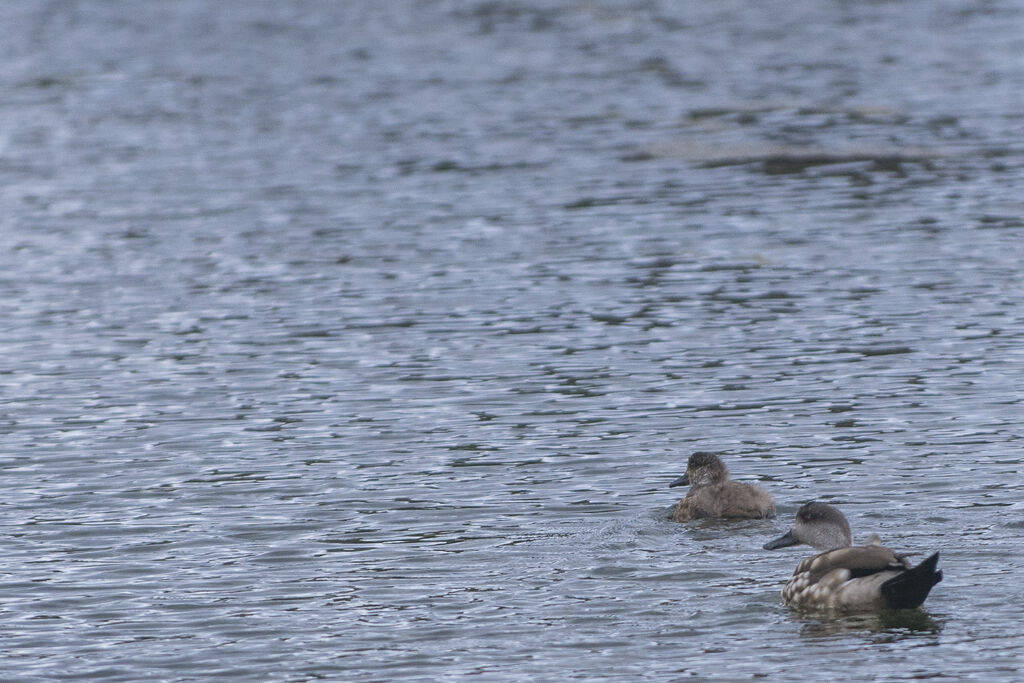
<point>699,502</point>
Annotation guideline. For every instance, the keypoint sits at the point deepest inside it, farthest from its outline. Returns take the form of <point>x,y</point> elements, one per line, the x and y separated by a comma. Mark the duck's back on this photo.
<point>837,590</point>
<point>729,500</point>
<point>860,578</point>
<point>745,501</point>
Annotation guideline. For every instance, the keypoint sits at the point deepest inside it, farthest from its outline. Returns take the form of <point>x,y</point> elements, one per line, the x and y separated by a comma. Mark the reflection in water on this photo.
<point>893,624</point>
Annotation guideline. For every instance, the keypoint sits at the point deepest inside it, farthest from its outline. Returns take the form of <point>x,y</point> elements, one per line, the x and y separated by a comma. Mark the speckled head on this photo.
<point>703,469</point>
<point>819,525</point>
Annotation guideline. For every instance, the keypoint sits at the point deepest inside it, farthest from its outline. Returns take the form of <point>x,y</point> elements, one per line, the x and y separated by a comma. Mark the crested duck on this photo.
<point>850,578</point>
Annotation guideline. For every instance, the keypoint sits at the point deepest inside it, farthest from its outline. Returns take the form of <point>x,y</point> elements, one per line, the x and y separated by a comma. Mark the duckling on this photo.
<point>845,578</point>
<point>713,494</point>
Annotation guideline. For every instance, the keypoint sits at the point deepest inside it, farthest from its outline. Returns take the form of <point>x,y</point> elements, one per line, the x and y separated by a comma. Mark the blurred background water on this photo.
<point>360,341</point>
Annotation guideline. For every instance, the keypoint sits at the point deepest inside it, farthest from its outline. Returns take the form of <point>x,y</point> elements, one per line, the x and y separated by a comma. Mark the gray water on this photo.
<point>361,341</point>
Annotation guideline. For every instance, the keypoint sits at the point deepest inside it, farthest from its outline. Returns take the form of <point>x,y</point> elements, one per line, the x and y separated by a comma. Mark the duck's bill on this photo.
<point>782,541</point>
<point>681,481</point>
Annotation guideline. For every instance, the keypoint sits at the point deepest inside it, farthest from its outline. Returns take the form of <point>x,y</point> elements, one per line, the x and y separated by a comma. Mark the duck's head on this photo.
<point>819,525</point>
<point>703,469</point>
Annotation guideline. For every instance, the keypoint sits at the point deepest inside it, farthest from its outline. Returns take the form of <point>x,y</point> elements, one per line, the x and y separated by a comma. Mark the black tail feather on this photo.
<point>910,588</point>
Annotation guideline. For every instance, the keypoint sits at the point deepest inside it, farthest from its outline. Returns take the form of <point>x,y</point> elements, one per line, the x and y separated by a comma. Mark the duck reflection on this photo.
<point>885,626</point>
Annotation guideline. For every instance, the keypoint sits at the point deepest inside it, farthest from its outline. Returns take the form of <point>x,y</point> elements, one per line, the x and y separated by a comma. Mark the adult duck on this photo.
<point>850,578</point>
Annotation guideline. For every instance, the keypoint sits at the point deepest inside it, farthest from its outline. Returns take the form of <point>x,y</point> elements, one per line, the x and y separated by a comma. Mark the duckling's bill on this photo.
<point>681,481</point>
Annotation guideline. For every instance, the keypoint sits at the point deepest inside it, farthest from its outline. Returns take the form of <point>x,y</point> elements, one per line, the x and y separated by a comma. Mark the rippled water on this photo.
<point>361,341</point>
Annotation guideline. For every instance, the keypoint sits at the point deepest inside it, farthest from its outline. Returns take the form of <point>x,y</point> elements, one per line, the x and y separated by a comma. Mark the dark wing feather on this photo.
<point>859,561</point>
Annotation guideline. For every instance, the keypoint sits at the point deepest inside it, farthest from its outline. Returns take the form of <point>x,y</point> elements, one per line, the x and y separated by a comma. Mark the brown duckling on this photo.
<point>713,494</point>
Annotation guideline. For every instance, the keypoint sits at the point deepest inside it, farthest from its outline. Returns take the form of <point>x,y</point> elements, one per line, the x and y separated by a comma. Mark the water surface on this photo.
<point>361,341</point>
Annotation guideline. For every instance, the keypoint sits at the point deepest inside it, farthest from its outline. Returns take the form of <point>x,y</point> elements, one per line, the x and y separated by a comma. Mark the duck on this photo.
<point>847,578</point>
<point>713,494</point>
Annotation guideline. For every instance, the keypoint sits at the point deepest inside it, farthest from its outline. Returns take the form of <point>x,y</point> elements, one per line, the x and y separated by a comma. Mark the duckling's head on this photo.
<point>703,469</point>
<point>819,525</point>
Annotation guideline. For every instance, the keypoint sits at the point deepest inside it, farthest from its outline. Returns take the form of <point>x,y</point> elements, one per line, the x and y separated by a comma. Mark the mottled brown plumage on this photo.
<point>713,494</point>
<point>850,578</point>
